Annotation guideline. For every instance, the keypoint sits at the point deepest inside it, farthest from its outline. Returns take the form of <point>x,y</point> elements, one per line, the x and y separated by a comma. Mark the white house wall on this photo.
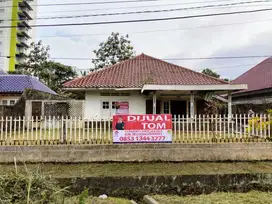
<point>93,105</point>
<point>9,98</point>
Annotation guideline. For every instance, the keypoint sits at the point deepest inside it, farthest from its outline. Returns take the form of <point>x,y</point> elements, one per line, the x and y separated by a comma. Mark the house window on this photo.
<point>166,107</point>
<point>12,102</point>
<point>106,105</point>
<point>5,102</point>
<point>113,105</point>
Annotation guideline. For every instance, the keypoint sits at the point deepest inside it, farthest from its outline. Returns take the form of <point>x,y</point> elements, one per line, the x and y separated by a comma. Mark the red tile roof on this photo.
<point>257,78</point>
<point>140,70</point>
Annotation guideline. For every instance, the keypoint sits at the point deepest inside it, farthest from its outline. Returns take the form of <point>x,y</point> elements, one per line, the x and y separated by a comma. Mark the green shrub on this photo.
<point>258,124</point>
<point>29,188</point>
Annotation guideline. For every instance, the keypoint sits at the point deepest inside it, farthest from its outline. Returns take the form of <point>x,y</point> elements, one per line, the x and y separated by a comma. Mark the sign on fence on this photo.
<point>142,128</point>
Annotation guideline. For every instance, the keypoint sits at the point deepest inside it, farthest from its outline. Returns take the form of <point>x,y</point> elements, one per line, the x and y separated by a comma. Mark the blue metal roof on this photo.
<point>18,83</point>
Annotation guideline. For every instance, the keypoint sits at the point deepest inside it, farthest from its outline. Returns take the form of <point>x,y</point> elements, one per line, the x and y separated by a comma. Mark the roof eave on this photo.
<point>210,87</point>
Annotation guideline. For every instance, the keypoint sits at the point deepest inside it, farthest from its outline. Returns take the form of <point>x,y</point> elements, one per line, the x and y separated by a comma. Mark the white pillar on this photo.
<point>154,103</point>
<point>192,104</point>
<point>229,105</point>
<point>28,109</point>
<point>42,109</point>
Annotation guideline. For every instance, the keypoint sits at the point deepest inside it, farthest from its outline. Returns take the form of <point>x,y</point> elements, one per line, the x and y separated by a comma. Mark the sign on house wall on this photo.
<point>122,107</point>
<point>142,128</point>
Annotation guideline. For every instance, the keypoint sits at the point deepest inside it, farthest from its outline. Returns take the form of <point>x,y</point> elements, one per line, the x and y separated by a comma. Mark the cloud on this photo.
<point>196,37</point>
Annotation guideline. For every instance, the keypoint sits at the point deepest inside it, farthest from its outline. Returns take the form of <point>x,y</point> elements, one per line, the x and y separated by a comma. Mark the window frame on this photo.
<point>106,105</point>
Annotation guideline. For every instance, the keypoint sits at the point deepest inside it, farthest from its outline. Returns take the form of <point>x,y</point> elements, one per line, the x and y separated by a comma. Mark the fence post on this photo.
<point>179,128</point>
<point>204,128</point>
<point>261,126</point>
<point>187,126</point>
<point>265,128</point>
<point>252,121</point>
<point>236,127</point>
<point>195,119</point>
<point>10,127</point>
<point>208,127</point>
<point>183,128</point>
<point>224,127</point>
<point>19,132</point>
<point>110,132</point>
<point>215,123</point>
<point>175,129</point>
<point>64,133</point>
<point>2,128</point>
<point>199,130</point>
<point>245,125</point>
<point>269,126</point>
<point>41,127</point>
<point>36,132</point>
<point>220,127</point>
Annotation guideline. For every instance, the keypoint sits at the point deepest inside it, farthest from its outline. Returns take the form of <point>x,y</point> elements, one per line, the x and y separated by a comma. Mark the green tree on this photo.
<point>58,75</point>
<point>84,73</point>
<point>227,80</point>
<point>34,60</point>
<point>213,74</point>
<point>210,73</point>
<point>115,49</point>
<point>51,73</point>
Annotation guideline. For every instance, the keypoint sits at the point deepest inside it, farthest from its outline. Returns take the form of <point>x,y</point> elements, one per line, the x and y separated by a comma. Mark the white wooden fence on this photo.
<point>197,129</point>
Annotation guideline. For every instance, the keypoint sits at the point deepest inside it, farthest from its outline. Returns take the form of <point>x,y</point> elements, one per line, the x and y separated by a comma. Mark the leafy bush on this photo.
<point>29,188</point>
<point>258,124</point>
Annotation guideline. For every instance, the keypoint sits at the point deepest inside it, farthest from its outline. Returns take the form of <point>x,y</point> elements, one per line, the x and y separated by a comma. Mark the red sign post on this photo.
<point>142,128</point>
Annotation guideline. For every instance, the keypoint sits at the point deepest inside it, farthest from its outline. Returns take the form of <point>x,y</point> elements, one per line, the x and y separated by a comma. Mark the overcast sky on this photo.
<point>232,35</point>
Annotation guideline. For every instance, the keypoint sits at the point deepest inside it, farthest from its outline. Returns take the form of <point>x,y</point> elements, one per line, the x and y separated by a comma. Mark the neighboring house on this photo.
<point>13,86</point>
<point>258,96</point>
<point>146,85</point>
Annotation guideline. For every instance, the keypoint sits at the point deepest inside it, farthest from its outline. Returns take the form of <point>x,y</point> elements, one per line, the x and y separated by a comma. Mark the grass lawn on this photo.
<point>95,200</point>
<point>253,197</point>
<point>142,169</point>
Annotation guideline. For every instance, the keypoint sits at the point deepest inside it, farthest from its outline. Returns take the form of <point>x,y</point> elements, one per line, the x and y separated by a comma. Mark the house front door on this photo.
<point>178,108</point>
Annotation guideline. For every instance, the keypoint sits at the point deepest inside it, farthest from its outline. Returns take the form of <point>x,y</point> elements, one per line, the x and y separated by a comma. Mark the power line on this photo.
<point>149,31</point>
<point>144,20</point>
<point>109,2</point>
<point>147,11</point>
<point>198,69</point>
<point>167,59</point>
<point>142,6</point>
<point>184,59</point>
<point>130,7</point>
<point>86,3</point>
<point>230,66</point>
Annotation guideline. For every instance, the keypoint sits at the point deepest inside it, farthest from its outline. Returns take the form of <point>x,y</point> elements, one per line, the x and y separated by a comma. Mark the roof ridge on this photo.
<point>253,68</point>
<point>220,80</point>
<point>28,78</point>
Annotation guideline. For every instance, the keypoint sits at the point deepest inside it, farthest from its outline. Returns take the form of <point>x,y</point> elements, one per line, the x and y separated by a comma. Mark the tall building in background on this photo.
<point>17,16</point>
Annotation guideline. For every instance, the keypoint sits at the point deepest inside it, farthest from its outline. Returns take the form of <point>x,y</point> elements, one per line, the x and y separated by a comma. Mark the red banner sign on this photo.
<point>142,128</point>
<point>122,107</point>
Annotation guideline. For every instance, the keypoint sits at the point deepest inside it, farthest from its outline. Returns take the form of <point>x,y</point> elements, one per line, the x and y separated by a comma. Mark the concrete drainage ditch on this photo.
<point>135,188</point>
